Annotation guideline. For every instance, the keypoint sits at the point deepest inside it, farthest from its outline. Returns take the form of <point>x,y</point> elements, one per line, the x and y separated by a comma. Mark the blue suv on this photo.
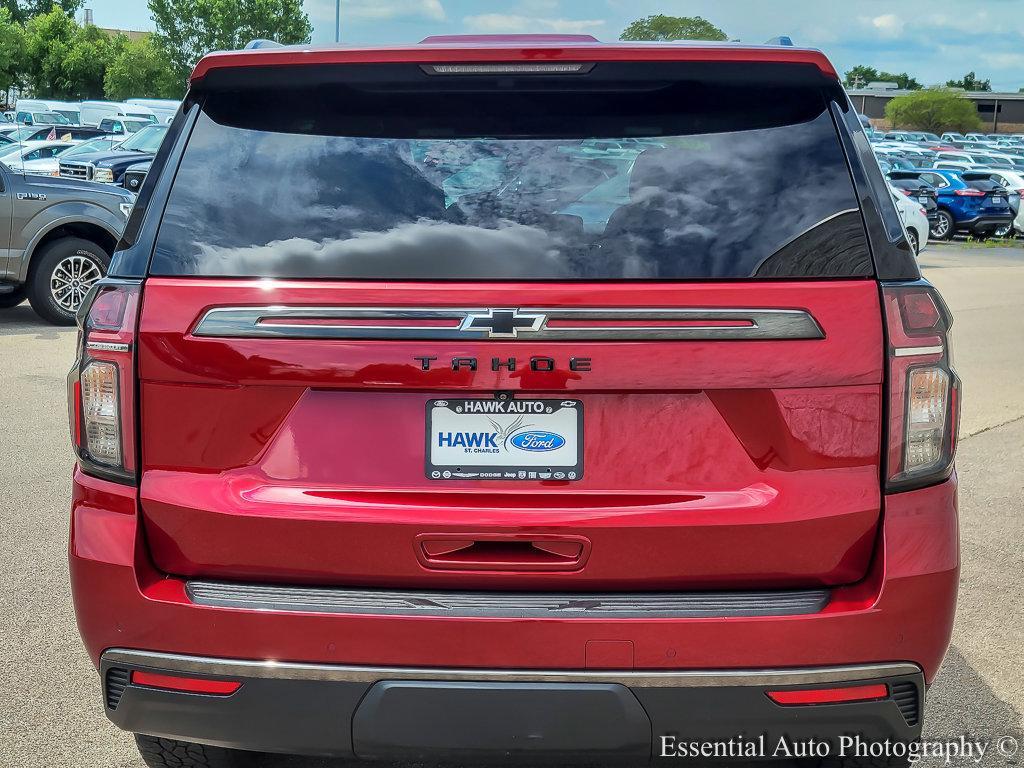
<point>976,207</point>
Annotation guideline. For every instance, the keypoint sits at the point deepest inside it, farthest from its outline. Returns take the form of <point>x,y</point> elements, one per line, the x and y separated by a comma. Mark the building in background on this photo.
<point>999,112</point>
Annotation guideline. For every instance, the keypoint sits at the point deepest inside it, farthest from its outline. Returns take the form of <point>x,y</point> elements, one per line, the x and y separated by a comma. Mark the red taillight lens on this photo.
<point>185,684</point>
<point>969,192</point>
<point>101,385</point>
<point>923,388</point>
<point>830,695</point>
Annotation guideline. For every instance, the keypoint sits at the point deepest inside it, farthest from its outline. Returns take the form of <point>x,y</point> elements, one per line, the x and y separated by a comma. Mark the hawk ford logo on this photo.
<point>538,441</point>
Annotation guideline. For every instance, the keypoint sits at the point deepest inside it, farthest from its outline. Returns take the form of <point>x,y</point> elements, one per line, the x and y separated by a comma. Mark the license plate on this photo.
<point>514,439</point>
<point>923,200</point>
<point>998,200</point>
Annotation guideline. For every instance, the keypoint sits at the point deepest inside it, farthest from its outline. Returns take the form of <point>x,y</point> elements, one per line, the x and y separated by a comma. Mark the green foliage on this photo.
<point>935,110</point>
<point>668,28</point>
<point>12,50</point>
<point>861,75</point>
<point>139,68</point>
<point>62,59</point>
<point>188,29</point>
<point>970,82</point>
<point>23,10</point>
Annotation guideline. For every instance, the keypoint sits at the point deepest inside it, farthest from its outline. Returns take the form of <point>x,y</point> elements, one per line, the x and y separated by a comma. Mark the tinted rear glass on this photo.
<point>588,186</point>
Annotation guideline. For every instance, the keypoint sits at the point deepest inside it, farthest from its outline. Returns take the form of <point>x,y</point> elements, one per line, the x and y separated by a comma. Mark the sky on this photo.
<point>933,40</point>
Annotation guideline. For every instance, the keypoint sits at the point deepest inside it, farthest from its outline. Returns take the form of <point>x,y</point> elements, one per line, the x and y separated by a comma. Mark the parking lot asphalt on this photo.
<point>51,714</point>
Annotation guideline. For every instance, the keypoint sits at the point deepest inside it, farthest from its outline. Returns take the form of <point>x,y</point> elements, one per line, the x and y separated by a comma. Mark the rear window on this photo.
<point>646,184</point>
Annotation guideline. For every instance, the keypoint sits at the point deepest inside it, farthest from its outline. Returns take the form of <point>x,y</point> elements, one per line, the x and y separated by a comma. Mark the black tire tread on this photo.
<point>39,282</point>
<point>171,753</point>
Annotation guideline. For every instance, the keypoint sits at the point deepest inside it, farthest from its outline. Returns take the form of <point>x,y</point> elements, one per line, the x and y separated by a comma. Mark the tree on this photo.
<point>12,51</point>
<point>667,28</point>
<point>935,110</point>
<point>970,82</point>
<point>188,29</point>
<point>23,10</point>
<point>140,68</point>
<point>861,75</point>
<point>62,59</point>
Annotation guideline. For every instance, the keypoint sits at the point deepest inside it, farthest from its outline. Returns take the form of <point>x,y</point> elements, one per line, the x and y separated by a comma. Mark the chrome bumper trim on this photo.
<point>285,670</point>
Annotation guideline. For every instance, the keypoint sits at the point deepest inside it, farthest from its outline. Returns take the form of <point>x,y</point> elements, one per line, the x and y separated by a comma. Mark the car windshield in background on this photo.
<point>146,140</point>
<point>100,144</point>
<point>72,117</point>
<point>49,118</point>
<point>774,201</point>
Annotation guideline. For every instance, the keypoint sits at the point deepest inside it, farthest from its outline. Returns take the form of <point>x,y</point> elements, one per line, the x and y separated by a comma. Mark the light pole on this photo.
<point>337,21</point>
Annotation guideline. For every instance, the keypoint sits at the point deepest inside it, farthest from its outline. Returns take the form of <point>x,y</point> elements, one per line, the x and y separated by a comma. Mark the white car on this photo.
<point>50,166</point>
<point>18,154</point>
<point>915,220</point>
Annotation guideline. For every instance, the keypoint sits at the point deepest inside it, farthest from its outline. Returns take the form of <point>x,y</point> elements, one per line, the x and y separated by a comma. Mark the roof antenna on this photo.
<point>780,40</point>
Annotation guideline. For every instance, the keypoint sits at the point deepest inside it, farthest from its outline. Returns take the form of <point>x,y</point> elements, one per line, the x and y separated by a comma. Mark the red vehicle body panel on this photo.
<point>903,610</point>
<point>476,52</point>
<point>708,463</point>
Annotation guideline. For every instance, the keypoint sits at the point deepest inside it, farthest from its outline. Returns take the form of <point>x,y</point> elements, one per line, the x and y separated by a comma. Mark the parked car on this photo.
<point>915,219</point>
<point>14,156</point>
<point>93,112</point>
<point>49,132</point>
<point>41,118</point>
<point>123,126</point>
<point>109,167</point>
<point>917,190</point>
<point>1013,182</point>
<point>341,492</point>
<point>135,175</point>
<point>164,109</point>
<point>977,208</point>
<point>71,111</point>
<point>51,166</point>
<point>58,235</point>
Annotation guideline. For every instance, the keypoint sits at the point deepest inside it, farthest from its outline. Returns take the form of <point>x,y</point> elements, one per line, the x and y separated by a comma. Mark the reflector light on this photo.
<point>101,412</point>
<point>185,684</point>
<point>507,69</point>
<point>830,695</point>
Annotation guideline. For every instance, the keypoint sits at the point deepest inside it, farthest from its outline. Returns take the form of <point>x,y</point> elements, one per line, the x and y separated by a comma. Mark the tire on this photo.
<point>944,226</point>
<point>171,753</point>
<point>70,265</point>
<point>1003,231</point>
<point>915,243</point>
<point>13,299</point>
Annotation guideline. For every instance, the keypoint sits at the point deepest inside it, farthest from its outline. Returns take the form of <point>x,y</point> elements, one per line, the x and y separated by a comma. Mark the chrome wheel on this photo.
<point>943,225</point>
<point>1002,231</point>
<point>912,237</point>
<point>72,278</point>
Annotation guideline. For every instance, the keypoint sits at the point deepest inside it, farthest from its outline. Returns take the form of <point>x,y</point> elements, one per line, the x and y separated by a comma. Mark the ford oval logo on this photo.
<point>536,440</point>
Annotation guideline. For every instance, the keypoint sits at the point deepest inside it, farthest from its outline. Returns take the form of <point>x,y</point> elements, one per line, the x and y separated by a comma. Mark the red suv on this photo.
<point>516,398</point>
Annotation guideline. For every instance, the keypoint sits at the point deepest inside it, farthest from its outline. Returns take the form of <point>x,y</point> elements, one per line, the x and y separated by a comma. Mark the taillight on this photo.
<point>969,192</point>
<point>923,388</point>
<point>101,388</point>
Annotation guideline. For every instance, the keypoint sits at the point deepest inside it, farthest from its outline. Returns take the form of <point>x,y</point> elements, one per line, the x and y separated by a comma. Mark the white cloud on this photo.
<point>1004,60</point>
<point>511,23</point>
<point>382,10</point>
<point>888,25</point>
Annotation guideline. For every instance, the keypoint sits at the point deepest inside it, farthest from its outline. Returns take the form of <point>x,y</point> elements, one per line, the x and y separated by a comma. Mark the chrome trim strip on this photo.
<point>249,322</point>
<point>911,351</point>
<point>689,678</point>
<point>468,604</point>
<point>107,346</point>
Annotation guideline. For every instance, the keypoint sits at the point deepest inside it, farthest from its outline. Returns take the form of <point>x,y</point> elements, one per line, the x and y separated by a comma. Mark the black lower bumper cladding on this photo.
<point>505,716</point>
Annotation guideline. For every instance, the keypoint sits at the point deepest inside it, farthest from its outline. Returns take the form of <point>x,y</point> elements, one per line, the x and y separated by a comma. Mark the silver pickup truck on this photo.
<point>56,237</point>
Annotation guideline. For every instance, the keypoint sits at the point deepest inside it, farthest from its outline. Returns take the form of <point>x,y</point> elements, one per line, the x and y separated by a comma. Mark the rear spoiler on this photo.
<point>546,51</point>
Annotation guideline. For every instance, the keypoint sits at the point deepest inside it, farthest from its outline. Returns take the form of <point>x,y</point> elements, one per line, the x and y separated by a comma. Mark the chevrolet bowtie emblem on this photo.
<point>502,323</point>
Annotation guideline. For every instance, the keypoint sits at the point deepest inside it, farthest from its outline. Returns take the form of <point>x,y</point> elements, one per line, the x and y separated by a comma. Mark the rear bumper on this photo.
<point>901,612</point>
<point>985,223</point>
<point>431,714</point>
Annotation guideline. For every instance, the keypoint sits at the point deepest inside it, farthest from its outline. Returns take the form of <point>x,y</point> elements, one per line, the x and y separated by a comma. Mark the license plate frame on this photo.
<point>539,423</point>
